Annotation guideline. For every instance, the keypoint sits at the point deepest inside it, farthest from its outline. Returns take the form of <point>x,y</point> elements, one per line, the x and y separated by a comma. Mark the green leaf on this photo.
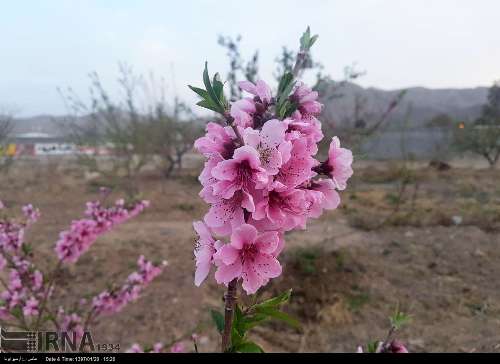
<point>219,88</point>
<point>210,90</point>
<point>27,249</point>
<point>236,337</point>
<point>207,104</point>
<point>248,347</point>
<point>289,109</point>
<point>239,321</point>
<point>218,320</point>
<point>313,40</point>
<point>286,92</point>
<point>372,347</point>
<point>201,92</point>
<point>17,312</point>
<point>250,321</point>
<point>285,80</point>
<point>49,317</point>
<point>279,315</point>
<point>284,89</point>
<point>305,39</point>
<point>399,319</point>
<point>276,301</point>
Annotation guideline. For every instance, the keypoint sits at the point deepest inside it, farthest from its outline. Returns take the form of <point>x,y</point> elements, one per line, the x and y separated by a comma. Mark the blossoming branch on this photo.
<point>26,301</point>
<point>261,178</point>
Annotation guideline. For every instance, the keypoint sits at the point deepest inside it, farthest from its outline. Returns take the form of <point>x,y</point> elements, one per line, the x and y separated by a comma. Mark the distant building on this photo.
<point>38,144</point>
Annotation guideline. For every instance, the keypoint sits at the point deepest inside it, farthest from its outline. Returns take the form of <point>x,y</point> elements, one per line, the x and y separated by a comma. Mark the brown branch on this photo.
<point>299,63</point>
<point>47,293</point>
<point>230,121</point>
<point>229,304</point>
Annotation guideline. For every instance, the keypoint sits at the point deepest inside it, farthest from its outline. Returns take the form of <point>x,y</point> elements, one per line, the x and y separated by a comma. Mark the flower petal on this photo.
<point>244,235</point>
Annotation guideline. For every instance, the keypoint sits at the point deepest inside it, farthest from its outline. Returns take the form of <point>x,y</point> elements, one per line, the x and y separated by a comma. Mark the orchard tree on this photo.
<point>5,130</point>
<point>483,136</point>
<point>114,127</point>
<point>134,130</point>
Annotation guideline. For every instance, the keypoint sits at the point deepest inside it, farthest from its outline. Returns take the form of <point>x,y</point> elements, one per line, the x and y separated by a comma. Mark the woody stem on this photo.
<point>230,121</point>
<point>229,304</point>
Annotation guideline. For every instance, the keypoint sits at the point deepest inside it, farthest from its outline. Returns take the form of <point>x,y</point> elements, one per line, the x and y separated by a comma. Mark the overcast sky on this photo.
<point>400,43</point>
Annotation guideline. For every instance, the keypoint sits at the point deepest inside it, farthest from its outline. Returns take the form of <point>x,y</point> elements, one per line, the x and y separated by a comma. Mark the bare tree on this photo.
<point>124,136</point>
<point>361,123</point>
<point>114,133</point>
<point>238,67</point>
<point>172,136</point>
<point>248,69</point>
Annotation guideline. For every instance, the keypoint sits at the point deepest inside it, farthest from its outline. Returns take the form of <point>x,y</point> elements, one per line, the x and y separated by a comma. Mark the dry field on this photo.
<point>432,249</point>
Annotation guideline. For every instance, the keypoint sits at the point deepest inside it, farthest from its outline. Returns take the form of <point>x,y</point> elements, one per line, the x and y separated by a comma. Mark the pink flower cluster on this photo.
<point>113,301</point>
<point>26,291</point>
<point>261,180</point>
<point>31,213</point>
<point>24,288</point>
<point>98,220</point>
<point>12,232</point>
<point>70,322</point>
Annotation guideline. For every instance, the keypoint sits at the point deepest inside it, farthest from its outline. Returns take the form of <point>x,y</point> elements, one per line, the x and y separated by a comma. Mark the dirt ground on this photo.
<point>432,250</point>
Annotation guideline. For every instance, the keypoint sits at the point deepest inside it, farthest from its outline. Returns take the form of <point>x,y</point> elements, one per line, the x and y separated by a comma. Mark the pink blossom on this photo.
<point>298,168</point>
<point>31,307</point>
<point>249,256</point>
<point>203,252</point>
<point>397,347</point>
<point>270,144</point>
<point>321,195</point>
<point>37,280</point>
<point>157,348</point>
<point>308,128</point>
<point>306,100</point>
<point>15,282</point>
<point>249,112</point>
<point>339,164</point>
<point>5,313</point>
<point>70,323</point>
<point>206,179</point>
<point>135,348</point>
<point>11,236</point>
<point>108,302</point>
<point>218,139</point>
<point>283,208</point>
<point>83,233</point>
<point>225,215</point>
<point>242,172</point>
<point>12,298</point>
<point>20,264</point>
<point>75,241</point>
<point>260,89</point>
<point>242,111</point>
<point>178,348</point>
<point>31,213</point>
